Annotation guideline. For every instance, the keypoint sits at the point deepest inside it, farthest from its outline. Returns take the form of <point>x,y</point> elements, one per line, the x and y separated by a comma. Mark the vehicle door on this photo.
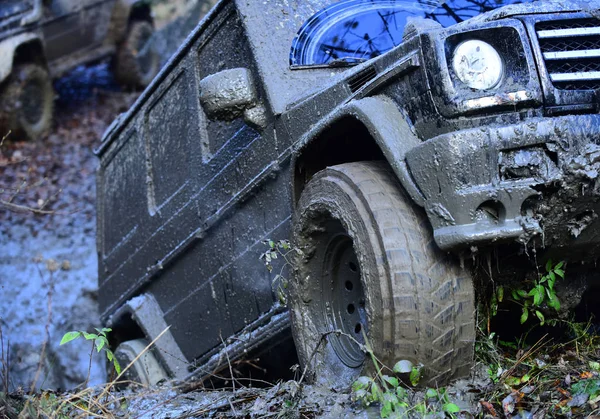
<point>95,20</point>
<point>62,28</point>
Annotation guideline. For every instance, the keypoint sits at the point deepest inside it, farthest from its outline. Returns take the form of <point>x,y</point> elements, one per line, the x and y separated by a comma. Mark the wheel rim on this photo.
<point>145,54</point>
<point>344,300</point>
<point>32,102</point>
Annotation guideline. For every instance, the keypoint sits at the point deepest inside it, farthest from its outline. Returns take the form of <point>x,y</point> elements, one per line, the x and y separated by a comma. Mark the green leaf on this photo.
<point>553,301</point>
<point>500,293</point>
<point>515,295</point>
<point>415,376</point>
<point>552,276</point>
<point>522,293</point>
<point>551,284</point>
<point>376,392</point>
<point>525,315</point>
<point>109,355</point>
<point>540,316</point>
<point>90,336</point>
<point>538,296</point>
<point>361,383</point>
<point>117,365</point>
<point>595,365</point>
<point>560,273</point>
<point>69,336</point>
<point>512,381</point>
<point>100,342</point>
<point>431,394</point>
<point>559,265</point>
<point>271,244</point>
<point>401,392</point>
<point>549,265</point>
<point>393,381</point>
<point>420,408</point>
<point>360,394</point>
<point>451,408</point>
<point>386,410</point>
<point>389,397</point>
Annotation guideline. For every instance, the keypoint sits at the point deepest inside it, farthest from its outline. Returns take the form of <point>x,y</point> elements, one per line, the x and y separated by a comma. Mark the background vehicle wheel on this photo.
<point>146,370</point>
<point>137,62</point>
<point>27,102</point>
<point>370,264</point>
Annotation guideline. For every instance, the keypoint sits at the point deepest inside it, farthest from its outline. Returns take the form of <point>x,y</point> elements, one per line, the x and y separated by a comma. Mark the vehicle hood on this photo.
<point>540,7</point>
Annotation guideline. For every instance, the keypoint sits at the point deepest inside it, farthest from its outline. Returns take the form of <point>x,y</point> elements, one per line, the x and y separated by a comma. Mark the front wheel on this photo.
<point>370,268</point>
<point>27,102</point>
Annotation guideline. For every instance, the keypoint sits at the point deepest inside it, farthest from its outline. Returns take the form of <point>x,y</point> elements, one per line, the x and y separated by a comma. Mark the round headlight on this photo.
<point>478,65</point>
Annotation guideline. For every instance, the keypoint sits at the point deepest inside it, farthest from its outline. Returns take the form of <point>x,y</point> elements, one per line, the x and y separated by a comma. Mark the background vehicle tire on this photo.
<point>146,371</point>
<point>137,62</point>
<point>370,264</point>
<point>27,102</point>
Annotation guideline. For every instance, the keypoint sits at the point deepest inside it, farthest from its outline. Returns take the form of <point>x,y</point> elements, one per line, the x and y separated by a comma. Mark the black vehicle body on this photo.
<point>196,174</point>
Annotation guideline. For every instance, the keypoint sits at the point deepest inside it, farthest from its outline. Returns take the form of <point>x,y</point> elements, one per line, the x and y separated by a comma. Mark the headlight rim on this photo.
<point>474,83</point>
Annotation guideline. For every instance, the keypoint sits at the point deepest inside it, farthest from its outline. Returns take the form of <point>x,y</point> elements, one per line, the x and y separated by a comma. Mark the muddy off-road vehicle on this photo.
<point>386,138</point>
<point>43,39</point>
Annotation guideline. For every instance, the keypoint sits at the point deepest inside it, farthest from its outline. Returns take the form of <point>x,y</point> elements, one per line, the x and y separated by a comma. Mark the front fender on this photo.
<point>7,51</point>
<point>390,128</point>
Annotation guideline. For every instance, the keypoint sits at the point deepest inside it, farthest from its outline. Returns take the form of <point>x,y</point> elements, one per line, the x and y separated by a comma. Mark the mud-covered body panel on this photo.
<point>192,181</point>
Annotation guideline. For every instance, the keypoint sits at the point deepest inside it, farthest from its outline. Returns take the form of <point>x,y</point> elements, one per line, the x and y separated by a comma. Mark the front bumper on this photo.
<point>536,179</point>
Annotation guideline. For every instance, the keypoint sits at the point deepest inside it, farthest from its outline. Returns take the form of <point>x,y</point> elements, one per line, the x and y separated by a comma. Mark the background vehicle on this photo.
<point>42,39</point>
<point>385,145</point>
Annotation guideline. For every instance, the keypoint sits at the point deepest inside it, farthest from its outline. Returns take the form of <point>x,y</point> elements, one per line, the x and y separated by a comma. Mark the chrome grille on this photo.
<point>571,50</point>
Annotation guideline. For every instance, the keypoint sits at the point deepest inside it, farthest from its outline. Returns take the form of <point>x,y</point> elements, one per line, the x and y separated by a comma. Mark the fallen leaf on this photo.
<point>489,408</point>
<point>563,392</point>
<point>510,401</point>
<point>585,375</point>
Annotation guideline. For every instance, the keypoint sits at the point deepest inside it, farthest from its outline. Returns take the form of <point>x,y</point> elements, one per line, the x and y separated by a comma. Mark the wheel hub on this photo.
<point>344,309</point>
<point>32,102</point>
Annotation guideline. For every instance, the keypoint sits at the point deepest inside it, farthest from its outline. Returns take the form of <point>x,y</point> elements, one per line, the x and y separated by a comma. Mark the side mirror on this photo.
<point>227,94</point>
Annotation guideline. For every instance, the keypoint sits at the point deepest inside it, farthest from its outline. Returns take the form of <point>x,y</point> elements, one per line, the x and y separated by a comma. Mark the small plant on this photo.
<point>99,342</point>
<point>393,398</point>
<point>532,300</point>
<point>276,249</point>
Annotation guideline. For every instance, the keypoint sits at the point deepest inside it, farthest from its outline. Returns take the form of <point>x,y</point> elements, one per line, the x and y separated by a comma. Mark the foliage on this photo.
<point>394,399</point>
<point>99,341</point>
<point>276,249</point>
<point>541,294</point>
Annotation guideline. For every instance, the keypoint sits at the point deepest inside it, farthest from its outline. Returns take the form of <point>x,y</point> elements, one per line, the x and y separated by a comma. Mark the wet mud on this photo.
<point>48,262</point>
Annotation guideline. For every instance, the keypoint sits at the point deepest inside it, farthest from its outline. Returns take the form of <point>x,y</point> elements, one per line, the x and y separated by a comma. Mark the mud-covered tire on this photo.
<point>419,303</point>
<point>27,102</point>
<point>136,62</point>
<point>146,371</point>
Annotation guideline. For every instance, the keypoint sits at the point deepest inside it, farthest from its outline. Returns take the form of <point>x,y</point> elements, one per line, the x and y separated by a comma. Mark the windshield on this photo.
<point>352,31</point>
